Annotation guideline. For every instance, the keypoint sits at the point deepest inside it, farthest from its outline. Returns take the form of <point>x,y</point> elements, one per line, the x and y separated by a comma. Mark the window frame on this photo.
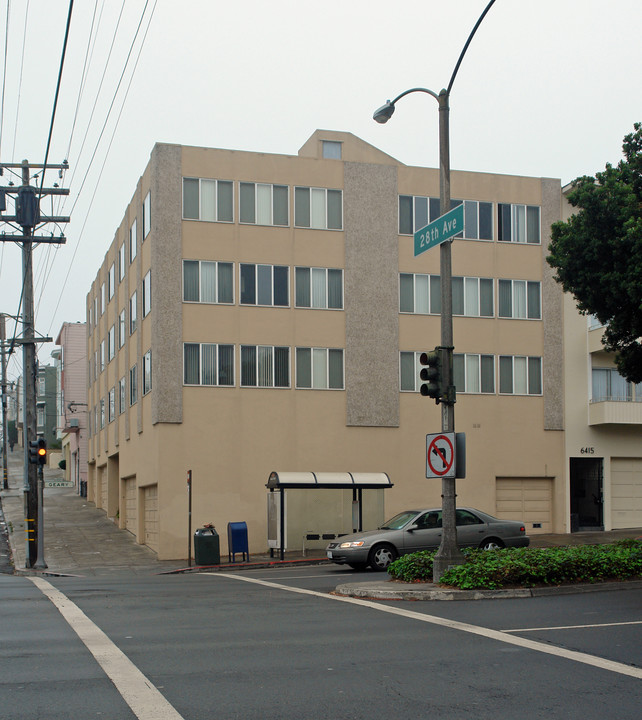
<point>505,234</point>
<point>147,214</point>
<point>528,360</point>
<point>218,265</point>
<point>257,366</point>
<point>314,352</point>
<point>133,242</point>
<point>217,371</point>
<point>133,313</point>
<point>147,294</point>
<point>147,373</point>
<point>272,205</point>
<point>258,290</point>
<point>299,271</point>
<point>223,217</point>
<point>480,357</point>
<point>301,214</point>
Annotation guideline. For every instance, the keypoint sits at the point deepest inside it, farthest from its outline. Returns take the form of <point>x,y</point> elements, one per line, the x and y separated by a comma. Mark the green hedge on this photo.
<point>527,567</point>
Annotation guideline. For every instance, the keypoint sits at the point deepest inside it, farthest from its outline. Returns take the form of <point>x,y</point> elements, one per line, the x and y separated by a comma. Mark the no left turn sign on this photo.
<point>440,455</point>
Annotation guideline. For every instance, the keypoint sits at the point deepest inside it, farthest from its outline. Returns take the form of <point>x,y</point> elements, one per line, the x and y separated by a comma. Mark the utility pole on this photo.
<point>5,467</point>
<point>29,217</point>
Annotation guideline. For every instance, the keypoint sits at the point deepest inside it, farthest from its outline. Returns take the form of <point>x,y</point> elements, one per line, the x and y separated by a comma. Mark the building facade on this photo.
<point>46,403</point>
<point>259,313</point>
<point>72,401</point>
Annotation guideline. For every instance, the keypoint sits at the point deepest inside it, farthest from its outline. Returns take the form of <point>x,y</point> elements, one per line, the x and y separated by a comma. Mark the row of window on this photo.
<point>105,410</point>
<point>127,252</point>
<point>107,350</point>
<point>515,223</point>
<point>263,366</point>
<point>262,204</point>
<point>213,282</point>
<point>473,373</point>
<point>268,285</point>
<point>471,296</point>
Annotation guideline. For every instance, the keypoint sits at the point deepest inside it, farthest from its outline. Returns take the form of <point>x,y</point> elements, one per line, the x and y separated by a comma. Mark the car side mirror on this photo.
<point>413,527</point>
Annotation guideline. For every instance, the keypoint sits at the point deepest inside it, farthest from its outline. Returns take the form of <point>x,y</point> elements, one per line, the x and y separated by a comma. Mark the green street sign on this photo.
<point>439,230</point>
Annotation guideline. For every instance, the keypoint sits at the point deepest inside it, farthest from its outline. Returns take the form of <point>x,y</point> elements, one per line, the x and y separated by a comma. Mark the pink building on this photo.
<point>72,401</point>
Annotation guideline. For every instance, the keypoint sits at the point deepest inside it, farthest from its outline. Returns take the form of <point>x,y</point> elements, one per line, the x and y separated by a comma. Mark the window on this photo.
<point>208,364</point>
<point>319,368</point>
<point>121,262</point>
<point>520,375</point>
<point>147,215</point>
<point>41,386</point>
<point>96,311</point>
<point>133,385</point>
<point>103,304</point>
<point>132,242</point>
<point>478,220</point>
<point>474,373</point>
<point>95,364</point>
<point>609,386</point>
<point>318,208</point>
<point>111,281</point>
<point>102,413</point>
<point>147,372</point>
<point>263,204</point>
<point>415,212</point>
<point>121,396</point>
<point>111,411</point>
<point>265,366</point>
<point>518,223</point>
<point>421,294</point>
<point>102,355</point>
<point>40,417</point>
<point>472,297</point>
<point>409,368</point>
<point>331,150</point>
<point>209,200</point>
<point>318,288</point>
<point>264,285</point>
<point>208,282</point>
<point>519,299</point>
<point>121,329</point>
<point>132,314</point>
<point>147,293</point>
<point>111,343</point>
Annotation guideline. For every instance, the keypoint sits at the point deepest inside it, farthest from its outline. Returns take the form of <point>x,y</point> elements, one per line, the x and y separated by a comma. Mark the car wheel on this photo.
<point>491,544</point>
<point>358,566</point>
<point>381,556</point>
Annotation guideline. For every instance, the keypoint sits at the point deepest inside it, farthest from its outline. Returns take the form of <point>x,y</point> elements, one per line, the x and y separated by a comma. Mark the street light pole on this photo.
<point>448,553</point>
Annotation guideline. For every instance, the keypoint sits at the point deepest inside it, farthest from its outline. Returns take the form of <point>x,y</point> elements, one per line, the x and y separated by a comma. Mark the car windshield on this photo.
<point>398,521</point>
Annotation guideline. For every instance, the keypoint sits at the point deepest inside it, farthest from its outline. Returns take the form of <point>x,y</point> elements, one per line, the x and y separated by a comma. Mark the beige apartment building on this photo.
<point>259,313</point>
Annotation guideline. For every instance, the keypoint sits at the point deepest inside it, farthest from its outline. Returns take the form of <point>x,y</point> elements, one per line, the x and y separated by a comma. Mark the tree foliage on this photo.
<point>597,253</point>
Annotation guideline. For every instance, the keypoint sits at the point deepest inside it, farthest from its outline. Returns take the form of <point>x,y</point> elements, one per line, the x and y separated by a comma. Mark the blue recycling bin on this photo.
<point>237,541</point>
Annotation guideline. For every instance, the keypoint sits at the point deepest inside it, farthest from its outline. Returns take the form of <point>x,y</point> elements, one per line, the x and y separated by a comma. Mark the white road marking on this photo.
<point>585,658</point>
<point>573,627</point>
<point>136,690</point>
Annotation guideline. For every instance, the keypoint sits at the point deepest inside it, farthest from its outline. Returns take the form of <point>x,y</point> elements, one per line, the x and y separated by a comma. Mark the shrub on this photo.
<point>528,567</point>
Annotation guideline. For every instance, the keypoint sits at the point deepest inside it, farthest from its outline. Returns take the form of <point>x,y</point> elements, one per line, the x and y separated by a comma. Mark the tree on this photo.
<point>597,253</point>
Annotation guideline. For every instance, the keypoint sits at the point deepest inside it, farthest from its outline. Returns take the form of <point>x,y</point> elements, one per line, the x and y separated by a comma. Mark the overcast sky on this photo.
<point>547,88</point>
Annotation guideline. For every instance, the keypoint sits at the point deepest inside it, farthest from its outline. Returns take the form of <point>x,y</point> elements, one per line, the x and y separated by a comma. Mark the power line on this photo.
<point>4,72</point>
<point>151,15</point>
<point>22,62</point>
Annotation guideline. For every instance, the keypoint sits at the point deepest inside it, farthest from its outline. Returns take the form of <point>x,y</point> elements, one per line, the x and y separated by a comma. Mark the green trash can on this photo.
<point>207,547</point>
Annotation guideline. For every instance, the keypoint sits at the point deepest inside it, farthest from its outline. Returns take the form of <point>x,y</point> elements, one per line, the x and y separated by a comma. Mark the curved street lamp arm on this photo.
<point>412,90</point>
<point>463,52</point>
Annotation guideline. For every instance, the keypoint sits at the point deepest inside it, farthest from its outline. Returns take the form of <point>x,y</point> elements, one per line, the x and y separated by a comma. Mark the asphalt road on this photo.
<point>275,644</point>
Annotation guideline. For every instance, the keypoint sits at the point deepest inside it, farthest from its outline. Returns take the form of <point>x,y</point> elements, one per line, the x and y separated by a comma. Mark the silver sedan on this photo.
<point>414,530</point>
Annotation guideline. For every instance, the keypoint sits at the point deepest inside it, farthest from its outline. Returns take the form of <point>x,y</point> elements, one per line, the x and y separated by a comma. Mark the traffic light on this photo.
<point>431,374</point>
<point>38,451</point>
<point>42,451</point>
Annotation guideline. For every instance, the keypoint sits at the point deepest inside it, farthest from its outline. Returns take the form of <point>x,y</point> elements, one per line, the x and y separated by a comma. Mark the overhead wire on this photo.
<point>4,73</point>
<point>22,63</point>
<point>151,15</point>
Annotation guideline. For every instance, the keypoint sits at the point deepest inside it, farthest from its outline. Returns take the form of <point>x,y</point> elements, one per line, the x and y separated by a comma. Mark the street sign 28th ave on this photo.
<point>439,230</point>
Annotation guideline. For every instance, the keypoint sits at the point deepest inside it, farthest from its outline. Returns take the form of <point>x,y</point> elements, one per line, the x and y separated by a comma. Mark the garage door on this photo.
<point>626,492</point>
<point>131,506</point>
<point>102,479</point>
<point>527,499</point>
<point>151,517</point>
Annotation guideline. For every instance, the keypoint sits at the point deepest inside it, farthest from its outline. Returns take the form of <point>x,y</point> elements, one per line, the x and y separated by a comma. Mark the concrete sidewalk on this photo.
<point>80,540</point>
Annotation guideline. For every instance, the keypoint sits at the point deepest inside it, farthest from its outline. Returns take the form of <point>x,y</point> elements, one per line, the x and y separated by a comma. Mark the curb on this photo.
<point>379,591</point>
<point>246,566</point>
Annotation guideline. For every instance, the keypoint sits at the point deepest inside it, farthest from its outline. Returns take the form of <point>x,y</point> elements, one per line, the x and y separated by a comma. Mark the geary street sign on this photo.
<point>439,230</point>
